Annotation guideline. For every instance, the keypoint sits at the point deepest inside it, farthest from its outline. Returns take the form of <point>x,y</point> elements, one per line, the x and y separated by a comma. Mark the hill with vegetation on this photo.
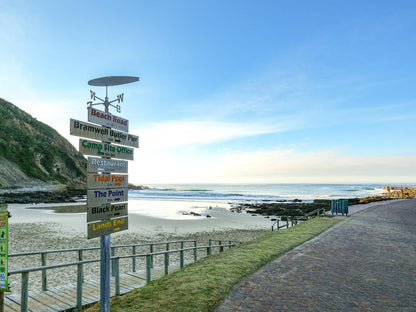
<point>34,154</point>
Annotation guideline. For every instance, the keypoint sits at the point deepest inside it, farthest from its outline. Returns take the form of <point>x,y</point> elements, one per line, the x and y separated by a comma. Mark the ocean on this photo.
<point>235,193</point>
<point>177,201</point>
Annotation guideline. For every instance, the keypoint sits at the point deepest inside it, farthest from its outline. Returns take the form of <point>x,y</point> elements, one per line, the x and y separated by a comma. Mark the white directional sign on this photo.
<point>94,132</point>
<point>105,227</point>
<point>106,212</point>
<point>107,165</point>
<point>100,181</point>
<point>107,119</point>
<point>95,148</point>
<point>106,196</point>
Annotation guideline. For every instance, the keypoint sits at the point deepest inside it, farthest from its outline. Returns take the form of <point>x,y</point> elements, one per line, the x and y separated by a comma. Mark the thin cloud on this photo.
<point>181,133</point>
<point>275,166</point>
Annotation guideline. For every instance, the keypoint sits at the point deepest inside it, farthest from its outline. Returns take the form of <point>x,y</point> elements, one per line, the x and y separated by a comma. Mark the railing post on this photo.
<point>117,275</point>
<point>221,246</point>
<point>80,277</point>
<point>113,253</point>
<point>209,248</point>
<point>44,277</point>
<point>134,259</point>
<point>195,252</point>
<point>151,257</point>
<point>81,268</point>
<point>148,268</point>
<point>181,256</point>
<point>167,249</point>
<point>166,263</point>
<point>24,292</point>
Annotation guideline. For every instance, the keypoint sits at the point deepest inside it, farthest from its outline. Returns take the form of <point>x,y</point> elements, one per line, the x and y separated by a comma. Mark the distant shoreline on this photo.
<point>48,194</point>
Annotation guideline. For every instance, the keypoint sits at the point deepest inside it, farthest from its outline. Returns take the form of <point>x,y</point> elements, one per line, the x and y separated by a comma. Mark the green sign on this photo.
<point>4,239</point>
<point>94,148</point>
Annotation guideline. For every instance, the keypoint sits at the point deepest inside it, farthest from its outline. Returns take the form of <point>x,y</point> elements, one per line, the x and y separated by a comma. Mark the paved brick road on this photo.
<point>367,263</point>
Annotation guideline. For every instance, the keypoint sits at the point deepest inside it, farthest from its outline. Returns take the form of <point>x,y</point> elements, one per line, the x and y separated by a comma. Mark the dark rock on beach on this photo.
<point>27,197</point>
<point>296,207</point>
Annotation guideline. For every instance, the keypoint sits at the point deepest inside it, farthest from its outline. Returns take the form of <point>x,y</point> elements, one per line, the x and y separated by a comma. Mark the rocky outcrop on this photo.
<point>34,154</point>
<point>400,191</point>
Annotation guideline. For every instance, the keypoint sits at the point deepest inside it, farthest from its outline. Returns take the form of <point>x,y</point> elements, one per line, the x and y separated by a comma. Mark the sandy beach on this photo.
<point>38,227</point>
<point>170,219</point>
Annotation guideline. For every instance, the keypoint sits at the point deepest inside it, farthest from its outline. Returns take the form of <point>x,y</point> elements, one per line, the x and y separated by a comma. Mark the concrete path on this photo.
<point>366,263</point>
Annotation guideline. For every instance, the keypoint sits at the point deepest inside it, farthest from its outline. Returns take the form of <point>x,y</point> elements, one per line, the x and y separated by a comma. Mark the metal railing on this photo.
<point>148,256</point>
<point>295,219</point>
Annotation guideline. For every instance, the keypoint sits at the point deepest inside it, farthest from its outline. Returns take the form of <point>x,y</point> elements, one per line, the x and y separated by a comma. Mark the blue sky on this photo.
<point>230,91</point>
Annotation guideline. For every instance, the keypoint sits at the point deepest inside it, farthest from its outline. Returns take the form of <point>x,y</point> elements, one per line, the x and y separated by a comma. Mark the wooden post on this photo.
<point>117,275</point>
<point>113,253</point>
<point>166,263</point>
<point>148,268</point>
<point>44,278</point>
<point>24,292</point>
<point>167,254</point>
<point>151,257</point>
<point>195,252</point>
<point>80,277</point>
<point>134,259</point>
<point>81,269</point>
<point>181,256</point>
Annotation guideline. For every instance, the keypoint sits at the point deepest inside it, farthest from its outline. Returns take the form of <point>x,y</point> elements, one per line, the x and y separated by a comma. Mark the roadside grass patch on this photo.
<point>201,286</point>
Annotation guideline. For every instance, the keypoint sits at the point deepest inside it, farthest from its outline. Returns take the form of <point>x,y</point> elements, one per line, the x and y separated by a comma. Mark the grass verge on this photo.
<point>201,286</point>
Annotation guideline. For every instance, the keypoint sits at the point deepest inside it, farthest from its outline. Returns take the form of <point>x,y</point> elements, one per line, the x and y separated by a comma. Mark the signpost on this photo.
<point>94,132</point>
<point>107,194</point>
<point>106,227</point>
<point>103,149</point>
<point>97,181</point>
<point>107,212</point>
<point>106,165</point>
<point>107,119</point>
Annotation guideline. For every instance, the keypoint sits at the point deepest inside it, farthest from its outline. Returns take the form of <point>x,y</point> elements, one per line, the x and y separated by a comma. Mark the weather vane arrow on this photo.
<point>106,82</point>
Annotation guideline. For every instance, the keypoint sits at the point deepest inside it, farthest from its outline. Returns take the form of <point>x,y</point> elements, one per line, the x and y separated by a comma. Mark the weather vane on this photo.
<point>106,82</point>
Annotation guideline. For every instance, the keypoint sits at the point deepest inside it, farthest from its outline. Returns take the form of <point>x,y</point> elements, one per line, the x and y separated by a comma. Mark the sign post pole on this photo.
<point>105,273</point>
<point>107,193</point>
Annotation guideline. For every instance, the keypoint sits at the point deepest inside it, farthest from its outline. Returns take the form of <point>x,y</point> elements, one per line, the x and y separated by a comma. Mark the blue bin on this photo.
<point>339,206</point>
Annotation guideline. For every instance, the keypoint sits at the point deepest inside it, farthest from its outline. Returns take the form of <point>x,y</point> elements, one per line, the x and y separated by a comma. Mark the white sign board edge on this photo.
<point>107,119</point>
<point>106,227</point>
<point>99,133</point>
<point>110,180</point>
<point>95,148</point>
<point>107,165</point>
<point>106,196</point>
<point>106,212</point>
